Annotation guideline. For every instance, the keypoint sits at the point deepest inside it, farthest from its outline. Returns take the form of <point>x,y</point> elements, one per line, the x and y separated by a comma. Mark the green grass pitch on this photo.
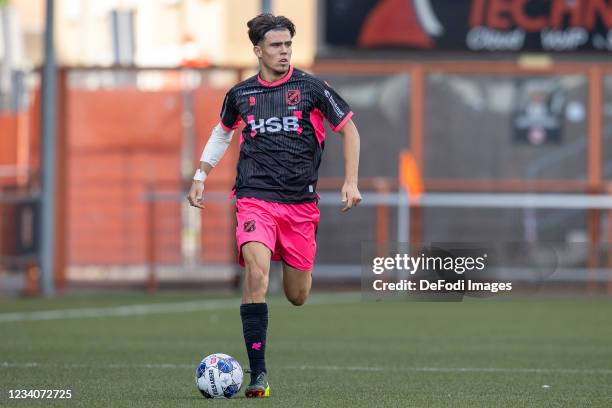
<point>334,352</point>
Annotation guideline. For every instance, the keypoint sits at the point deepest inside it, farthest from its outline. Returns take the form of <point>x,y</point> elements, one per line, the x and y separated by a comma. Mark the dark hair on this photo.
<point>260,25</point>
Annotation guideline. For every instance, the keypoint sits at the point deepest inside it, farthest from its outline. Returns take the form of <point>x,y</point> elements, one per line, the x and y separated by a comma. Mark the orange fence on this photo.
<point>594,183</point>
<point>122,134</point>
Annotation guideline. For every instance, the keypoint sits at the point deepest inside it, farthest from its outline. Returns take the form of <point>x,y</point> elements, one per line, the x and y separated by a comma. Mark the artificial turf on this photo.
<point>334,352</point>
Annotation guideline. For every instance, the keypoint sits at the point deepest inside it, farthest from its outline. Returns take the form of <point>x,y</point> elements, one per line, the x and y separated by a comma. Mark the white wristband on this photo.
<point>199,175</point>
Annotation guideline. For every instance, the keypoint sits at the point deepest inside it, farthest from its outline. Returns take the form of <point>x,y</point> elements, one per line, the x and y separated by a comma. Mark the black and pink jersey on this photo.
<point>282,142</point>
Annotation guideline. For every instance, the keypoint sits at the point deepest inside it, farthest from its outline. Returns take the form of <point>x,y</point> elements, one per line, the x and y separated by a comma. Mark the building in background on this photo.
<point>160,33</point>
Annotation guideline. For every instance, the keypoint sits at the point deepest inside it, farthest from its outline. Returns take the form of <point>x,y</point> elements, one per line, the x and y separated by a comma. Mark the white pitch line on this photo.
<point>154,308</point>
<point>584,371</point>
<point>77,365</point>
<point>461,369</point>
<point>130,310</point>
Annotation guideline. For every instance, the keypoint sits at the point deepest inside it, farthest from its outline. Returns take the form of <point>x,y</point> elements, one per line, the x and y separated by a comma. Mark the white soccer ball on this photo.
<point>218,376</point>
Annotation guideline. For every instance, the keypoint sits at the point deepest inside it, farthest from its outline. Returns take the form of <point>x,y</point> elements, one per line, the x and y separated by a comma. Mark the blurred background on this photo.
<point>481,121</point>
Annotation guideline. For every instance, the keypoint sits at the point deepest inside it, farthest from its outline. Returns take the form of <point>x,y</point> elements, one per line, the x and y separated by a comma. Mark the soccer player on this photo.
<point>280,152</point>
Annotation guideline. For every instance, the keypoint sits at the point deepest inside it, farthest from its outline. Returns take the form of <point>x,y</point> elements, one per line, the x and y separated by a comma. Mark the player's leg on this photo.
<point>254,314</point>
<point>257,258</point>
<point>256,238</point>
<point>298,246</point>
<point>296,284</point>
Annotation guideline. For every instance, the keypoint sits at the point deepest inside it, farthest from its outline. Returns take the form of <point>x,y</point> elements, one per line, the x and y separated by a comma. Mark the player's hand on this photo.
<point>196,193</point>
<point>351,197</point>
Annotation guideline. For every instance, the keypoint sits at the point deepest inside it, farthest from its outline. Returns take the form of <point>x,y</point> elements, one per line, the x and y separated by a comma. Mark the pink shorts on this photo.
<point>288,230</point>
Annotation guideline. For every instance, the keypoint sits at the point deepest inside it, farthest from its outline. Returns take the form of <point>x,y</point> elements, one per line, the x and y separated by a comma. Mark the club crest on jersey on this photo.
<point>251,101</point>
<point>249,226</point>
<point>274,124</point>
<point>293,97</point>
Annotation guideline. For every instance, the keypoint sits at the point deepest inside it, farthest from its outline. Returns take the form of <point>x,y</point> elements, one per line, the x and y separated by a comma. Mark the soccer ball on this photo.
<point>218,376</point>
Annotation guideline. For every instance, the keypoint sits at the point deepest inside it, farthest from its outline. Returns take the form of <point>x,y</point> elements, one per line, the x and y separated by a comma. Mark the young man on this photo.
<point>280,152</point>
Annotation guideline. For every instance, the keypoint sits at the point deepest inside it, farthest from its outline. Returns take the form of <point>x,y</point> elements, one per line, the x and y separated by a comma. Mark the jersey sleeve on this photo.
<point>334,108</point>
<point>230,117</point>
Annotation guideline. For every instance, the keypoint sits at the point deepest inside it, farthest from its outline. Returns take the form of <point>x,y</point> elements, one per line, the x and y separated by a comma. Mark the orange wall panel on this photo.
<point>121,140</point>
<point>8,139</point>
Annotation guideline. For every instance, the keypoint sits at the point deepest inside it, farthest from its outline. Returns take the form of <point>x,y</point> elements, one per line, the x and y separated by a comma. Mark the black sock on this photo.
<point>254,327</point>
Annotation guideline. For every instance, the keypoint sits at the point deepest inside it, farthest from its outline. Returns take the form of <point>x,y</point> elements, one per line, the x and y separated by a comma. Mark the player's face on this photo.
<point>274,51</point>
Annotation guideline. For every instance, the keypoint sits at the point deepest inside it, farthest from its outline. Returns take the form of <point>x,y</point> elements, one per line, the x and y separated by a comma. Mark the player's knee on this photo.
<point>256,275</point>
<point>299,298</point>
<point>298,301</point>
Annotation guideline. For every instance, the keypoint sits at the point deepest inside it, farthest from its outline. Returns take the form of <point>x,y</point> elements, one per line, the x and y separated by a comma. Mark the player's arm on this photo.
<point>214,150</point>
<point>350,192</point>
